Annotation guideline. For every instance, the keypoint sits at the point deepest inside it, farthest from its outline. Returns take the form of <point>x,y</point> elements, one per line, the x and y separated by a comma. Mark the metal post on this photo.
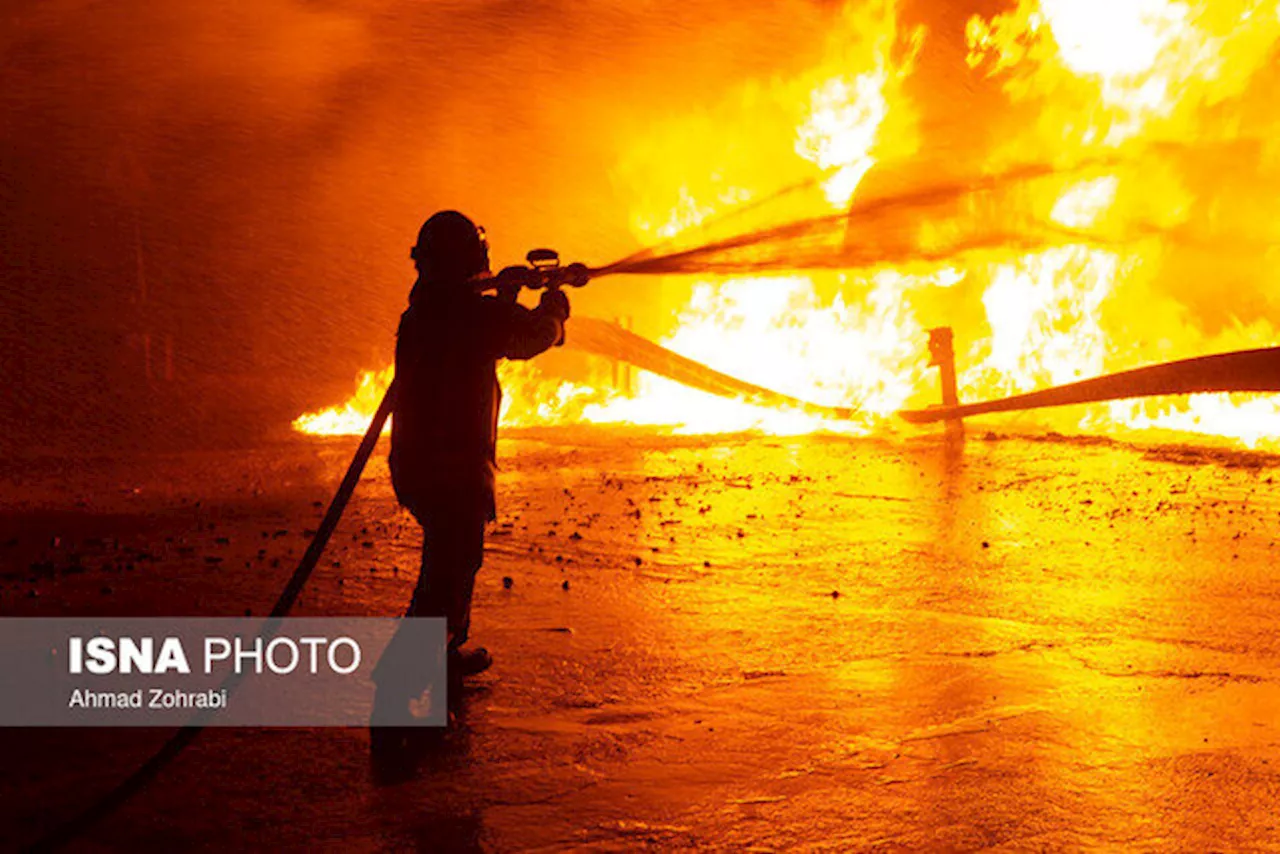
<point>942,354</point>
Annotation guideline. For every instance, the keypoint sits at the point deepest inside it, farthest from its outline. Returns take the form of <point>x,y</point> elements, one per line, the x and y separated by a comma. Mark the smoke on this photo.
<point>141,141</point>
<point>206,206</point>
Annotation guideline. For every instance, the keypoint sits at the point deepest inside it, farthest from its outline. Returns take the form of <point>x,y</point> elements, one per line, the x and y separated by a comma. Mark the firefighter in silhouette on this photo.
<point>445,421</point>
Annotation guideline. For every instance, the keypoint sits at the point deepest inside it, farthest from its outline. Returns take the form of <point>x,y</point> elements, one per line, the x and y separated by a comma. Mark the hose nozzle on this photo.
<point>544,271</point>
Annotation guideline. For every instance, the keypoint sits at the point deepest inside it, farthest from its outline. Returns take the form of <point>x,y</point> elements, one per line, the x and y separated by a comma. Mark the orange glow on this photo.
<point>1160,90</point>
<point>352,417</point>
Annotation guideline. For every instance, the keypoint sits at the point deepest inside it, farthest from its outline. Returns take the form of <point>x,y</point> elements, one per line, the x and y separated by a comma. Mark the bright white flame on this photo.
<point>1080,206</point>
<point>1114,38</point>
<point>1044,311</point>
<point>841,132</point>
<point>1252,421</point>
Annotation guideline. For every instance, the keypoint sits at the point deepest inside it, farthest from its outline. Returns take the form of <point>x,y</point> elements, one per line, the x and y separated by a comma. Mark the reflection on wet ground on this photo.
<point>734,642</point>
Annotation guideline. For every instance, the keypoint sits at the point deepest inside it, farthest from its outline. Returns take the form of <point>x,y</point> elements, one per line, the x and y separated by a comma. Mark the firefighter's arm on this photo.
<point>533,331</point>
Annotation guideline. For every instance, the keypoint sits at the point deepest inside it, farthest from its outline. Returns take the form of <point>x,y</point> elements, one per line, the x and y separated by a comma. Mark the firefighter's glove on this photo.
<point>555,303</point>
<point>511,280</point>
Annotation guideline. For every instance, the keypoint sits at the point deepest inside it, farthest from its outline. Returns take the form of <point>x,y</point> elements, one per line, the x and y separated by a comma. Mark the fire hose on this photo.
<point>284,603</point>
<point>1244,371</point>
<point>543,272</point>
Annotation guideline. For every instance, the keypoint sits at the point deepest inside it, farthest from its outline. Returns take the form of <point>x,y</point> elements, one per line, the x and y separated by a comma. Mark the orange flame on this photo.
<point>1165,90</point>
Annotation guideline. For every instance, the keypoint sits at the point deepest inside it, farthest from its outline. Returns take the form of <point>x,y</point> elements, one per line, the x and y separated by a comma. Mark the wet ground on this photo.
<point>738,642</point>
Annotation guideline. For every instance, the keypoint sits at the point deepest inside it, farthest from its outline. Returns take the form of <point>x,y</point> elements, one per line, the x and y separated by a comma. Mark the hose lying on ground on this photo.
<point>179,741</point>
<point>1242,371</point>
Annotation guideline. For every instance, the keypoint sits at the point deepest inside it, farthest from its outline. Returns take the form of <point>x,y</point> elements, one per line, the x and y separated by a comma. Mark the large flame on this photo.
<point>1165,93</point>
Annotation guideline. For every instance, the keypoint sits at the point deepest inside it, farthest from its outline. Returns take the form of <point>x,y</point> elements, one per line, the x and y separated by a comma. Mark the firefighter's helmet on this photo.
<point>451,246</point>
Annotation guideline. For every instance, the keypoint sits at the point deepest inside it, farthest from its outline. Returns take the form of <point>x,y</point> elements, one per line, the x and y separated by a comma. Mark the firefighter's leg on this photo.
<point>402,672</point>
<point>421,604</point>
<point>467,557</point>
<point>453,549</point>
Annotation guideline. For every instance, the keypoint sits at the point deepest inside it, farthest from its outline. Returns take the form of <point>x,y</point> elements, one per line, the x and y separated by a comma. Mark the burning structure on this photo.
<point>1092,225</point>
